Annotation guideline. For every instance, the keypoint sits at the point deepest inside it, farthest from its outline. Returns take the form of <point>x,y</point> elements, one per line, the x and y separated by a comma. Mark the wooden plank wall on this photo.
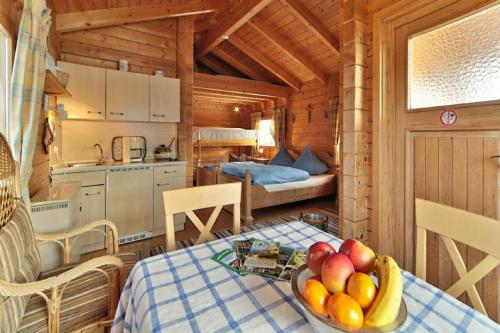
<point>148,46</point>
<point>318,132</point>
<point>214,114</point>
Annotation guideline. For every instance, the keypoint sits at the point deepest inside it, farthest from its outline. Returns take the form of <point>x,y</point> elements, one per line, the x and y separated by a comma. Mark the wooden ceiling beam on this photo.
<point>114,16</point>
<point>224,99</point>
<point>237,85</point>
<point>234,18</point>
<point>218,66</point>
<point>199,91</point>
<point>313,23</point>
<point>236,63</point>
<point>287,47</point>
<point>265,62</point>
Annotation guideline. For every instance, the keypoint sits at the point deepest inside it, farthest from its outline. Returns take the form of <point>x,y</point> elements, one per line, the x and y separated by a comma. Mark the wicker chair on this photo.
<point>71,297</point>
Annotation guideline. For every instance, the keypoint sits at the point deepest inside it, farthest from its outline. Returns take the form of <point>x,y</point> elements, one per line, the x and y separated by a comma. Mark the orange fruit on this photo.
<point>316,295</point>
<point>345,310</point>
<point>361,287</point>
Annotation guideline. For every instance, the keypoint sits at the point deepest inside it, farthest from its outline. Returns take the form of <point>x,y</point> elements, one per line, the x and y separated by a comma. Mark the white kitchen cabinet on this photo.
<point>127,96</point>
<point>160,185</point>
<point>129,202</point>
<point>87,86</point>
<point>164,99</point>
<point>93,209</point>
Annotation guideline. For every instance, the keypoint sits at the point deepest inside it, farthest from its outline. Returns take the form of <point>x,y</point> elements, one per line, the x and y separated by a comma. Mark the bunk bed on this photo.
<point>255,196</point>
<point>222,137</point>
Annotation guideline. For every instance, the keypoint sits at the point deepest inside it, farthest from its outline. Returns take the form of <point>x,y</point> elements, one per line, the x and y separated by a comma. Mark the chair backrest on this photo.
<point>452,224</point>
<point>19,257</point>
<point>189,199</point>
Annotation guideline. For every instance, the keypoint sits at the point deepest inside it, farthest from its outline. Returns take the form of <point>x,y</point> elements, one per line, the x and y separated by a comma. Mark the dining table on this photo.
<point>186,291</point>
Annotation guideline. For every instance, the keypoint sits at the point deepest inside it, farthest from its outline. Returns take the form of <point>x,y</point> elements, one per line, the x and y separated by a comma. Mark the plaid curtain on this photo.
<point>279,126</point>
<point>255,118</point>
<point>28,78</point>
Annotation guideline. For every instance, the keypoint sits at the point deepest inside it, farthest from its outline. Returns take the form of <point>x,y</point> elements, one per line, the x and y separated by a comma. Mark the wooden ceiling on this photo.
<point>285,42</point>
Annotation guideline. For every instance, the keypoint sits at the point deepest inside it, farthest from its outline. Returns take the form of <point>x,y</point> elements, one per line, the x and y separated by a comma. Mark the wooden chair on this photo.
<point>71,297</point>
<point>188,199</point>
<point>452,225</point>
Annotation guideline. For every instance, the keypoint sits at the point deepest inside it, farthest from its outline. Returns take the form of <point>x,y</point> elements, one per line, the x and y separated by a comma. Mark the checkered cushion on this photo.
<point>19,263</point>
<point>85,300</point>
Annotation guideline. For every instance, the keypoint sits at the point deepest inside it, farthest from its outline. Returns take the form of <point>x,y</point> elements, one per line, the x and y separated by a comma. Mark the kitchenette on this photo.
<point>115,137</point>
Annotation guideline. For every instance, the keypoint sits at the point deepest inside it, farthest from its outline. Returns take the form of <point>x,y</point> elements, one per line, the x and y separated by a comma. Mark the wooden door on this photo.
<point>164,99</point>
<point>127,96</point>
<point>87,87</point>
<point>453,165</point>
<point>129,200</point>
<point>93,209</point>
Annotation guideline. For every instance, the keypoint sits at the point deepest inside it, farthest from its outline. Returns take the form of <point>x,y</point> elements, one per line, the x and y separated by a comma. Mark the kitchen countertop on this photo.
<point>62,169</point>
<point>55,193</point>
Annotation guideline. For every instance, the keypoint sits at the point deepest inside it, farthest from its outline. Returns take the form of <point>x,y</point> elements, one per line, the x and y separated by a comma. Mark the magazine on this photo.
<point>228,259</point>
<point>262,254</point>
<point>285,261</point>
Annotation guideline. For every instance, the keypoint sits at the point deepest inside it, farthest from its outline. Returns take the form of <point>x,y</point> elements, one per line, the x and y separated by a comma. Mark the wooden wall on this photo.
<point>317,131</point>
<point>214,114</point>
<point>147,46</point>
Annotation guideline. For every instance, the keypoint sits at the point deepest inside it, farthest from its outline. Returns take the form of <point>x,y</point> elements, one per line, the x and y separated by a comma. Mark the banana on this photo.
<point>385,307</point>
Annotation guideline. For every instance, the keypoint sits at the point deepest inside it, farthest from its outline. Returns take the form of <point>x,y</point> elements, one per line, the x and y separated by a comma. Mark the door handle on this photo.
<point>87,194</point>
<point>166,184</point>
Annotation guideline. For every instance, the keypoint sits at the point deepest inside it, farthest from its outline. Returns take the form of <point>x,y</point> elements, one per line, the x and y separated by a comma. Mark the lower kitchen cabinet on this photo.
<point>160,185</point>
<point>129,202</point>
<point>93,209</point>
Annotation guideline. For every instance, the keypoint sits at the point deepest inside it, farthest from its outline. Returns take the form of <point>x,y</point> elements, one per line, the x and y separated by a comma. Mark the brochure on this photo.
<point>228,259</point>
<point>262,254</point>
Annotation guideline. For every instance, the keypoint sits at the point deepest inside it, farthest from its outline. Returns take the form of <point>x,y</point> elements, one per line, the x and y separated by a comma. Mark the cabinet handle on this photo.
<point>117,113</point>
<point>159,115</point>
<point>169,171</point>
<point>166,184</point>
<point>97,112</point>
<point>97,193</point>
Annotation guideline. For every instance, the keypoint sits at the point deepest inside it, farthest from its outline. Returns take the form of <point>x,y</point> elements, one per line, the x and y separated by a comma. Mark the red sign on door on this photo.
<point>449,117</point>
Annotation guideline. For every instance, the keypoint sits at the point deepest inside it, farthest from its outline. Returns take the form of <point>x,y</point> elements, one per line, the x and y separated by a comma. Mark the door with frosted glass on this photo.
<point>449,63</point>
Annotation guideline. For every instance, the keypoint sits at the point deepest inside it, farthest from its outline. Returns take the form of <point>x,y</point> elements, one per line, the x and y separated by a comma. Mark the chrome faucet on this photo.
<point>101,153</point>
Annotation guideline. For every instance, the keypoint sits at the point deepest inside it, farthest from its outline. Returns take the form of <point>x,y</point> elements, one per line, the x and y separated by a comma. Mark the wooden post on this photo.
<point>246,191</point>
<point>185,31</point>
<point>354,175</point>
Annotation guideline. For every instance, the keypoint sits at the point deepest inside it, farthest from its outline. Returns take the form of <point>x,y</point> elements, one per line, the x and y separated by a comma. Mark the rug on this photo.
<point>332,227</point>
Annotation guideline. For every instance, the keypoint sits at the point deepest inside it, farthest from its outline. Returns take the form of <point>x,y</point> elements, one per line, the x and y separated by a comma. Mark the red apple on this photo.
<point>316,254</point>
<point>335,271</point>
<point>362,256</point>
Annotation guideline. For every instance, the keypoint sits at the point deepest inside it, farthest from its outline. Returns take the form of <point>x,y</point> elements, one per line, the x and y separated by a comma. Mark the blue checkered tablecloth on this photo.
<point>186,291</point>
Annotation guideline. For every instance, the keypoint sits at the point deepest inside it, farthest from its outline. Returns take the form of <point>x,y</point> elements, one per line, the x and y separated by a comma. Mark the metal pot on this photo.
<point>314,219</point>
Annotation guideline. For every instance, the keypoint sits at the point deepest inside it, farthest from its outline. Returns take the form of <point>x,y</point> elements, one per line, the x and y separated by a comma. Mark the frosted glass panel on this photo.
<point>456,63</point>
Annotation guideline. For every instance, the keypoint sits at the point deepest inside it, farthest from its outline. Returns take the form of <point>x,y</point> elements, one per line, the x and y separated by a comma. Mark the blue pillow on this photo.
<point>282,158</point>
<point>310,163</point>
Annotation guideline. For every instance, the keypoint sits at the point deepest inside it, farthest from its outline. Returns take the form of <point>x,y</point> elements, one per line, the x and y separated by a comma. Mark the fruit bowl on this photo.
<point>323,324</point>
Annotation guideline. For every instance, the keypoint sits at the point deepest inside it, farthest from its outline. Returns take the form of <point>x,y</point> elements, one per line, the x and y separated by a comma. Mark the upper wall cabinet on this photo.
<point>127,96</point>
<point>87,87</point>
<point>164,99</point>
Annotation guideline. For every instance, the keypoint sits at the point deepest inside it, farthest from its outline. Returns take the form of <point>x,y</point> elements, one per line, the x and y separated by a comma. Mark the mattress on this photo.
<point>223,134</point>
<point>264,174</point>
<point>310,182</point>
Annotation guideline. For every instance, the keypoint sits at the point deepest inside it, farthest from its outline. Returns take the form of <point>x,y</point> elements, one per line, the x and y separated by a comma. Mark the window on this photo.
<point>457,63</point>
<point>265,133</point>
<point>5,68</point>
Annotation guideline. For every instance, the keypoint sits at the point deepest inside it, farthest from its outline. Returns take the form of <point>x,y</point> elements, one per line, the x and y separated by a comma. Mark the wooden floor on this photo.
<point>224,222</point>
